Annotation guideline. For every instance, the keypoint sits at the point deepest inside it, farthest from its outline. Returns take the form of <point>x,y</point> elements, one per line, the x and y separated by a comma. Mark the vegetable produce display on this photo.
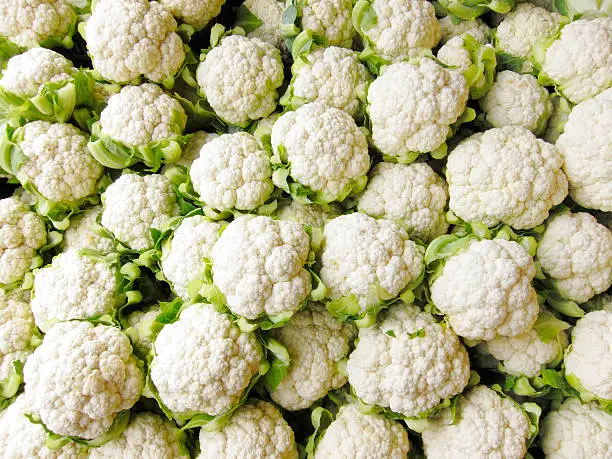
<point>306,229</point>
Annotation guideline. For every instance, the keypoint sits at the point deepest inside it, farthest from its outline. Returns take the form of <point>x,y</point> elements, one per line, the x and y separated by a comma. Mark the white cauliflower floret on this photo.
<point>517,100</point>
<point>270,13</point>
<point>30,23</point>
<point>325,150</point>
<point>580,60</point>
<point>255,430</point>
<point>240,78</point>
<point>576,430</point>
<point>81,377</point>
<point>81,233</point>
<point>146,436</point>
<point>454,53</point>
<point>407,362</point>
<point>140,322</point>
<point>193,12</point>
<point>258,264</point>
<point>191,151</point>
<point>505,175</point>
<point>487,426</point>
<point>359,255</point>
<point>317,344</point>
<point>331,19</point>
<point>585,148</point>
<point>485,290</point>
<point>412,105</point>
<point>354,434</point>
<point>587,362</point>
<point>477,28</point>
<point>130,38</point>
<point>22,233</point>
<point>309,214</point>
<point>233,172</point>
<point>203,362</point>
<point>413,195</point>
<point>183,256</point>
<point>576,252</point>
<point>134,204</point>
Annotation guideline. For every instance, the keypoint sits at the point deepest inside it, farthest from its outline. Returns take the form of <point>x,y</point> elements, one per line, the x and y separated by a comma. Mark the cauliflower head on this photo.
<point>330,19</point>
<point>81,233</point>
<point>269,12</point>
<point>309,214</point>
<point>194,12</point>
<point>477,28</point>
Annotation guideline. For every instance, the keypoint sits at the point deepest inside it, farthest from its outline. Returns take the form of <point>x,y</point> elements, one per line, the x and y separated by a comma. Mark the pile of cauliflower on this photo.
<point>305,229</point>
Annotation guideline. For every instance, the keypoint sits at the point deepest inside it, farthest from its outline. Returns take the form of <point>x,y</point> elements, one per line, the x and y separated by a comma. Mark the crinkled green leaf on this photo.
<point>279,362</point>
<point>246,19</point>
<point>320,418</point>
<point>10,385</point>
<point>548,326</point>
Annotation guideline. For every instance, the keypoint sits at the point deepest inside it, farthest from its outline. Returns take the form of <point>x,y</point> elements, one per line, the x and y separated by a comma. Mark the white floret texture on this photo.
<point>485,290</point>
<point>193,12</point>
<point>309,214</point>
<point>81,233</point>
<point>258,264</point>
<point>317,344</point>
<point>354,434</point>
<point>16,329</point>
<point>269,12</point>
<point>587,156</point>
<point>81,377</point>
<point>505,175</point>
<point>412,105</point>
<point>477,28</point>
<point>576,252</point>
<point>257,429</point>
<point>331,19</point>
<point>240,78</point>
<point>325,149</point>
<point>487,426</point>
<point>134,204</point>
<point>392,368</point>
<point>22,233</point>
<point>203,362</point>
<point>454,53</point>
<point>412,195</point>
<point>359,254</point>
<point>127,39</point>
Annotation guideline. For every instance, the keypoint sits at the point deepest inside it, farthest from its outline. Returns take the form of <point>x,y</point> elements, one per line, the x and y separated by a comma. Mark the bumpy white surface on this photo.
<point>477,28</point>
<point>454,53</point>
<point>194,12</point>
<point>16,329</point>
<point>269,12</point>
<point>81,234</point>
<point>331,19</point>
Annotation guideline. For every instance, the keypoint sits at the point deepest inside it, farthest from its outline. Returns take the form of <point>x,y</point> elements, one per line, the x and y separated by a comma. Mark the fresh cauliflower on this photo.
<point>193,12</point>
<point>127,39</point>
<point>255,430</point>
<point>240,78</point>
<point>585,148</point>
<point>258,264</point>
<point>82,235</point>
<point>329,18</point>
<point>576,252</point>
<point>354,434</point>
<point>81,377</point>
<point>139,329</point>
<point>134,204</point>
<point>270,13</point>
<point>323,150</point>
<point>477,28</point>
<point>487,425</point>
<point>505,175</point>
<point>317,344</point>
<point>402,128</point>
<point>485,290</point>
<point>413,195</point>
<point>203,362</point>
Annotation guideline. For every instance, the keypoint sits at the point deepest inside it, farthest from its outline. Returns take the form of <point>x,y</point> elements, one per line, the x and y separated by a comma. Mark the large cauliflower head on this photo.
<point>330,19</point>
<point>505,175</point>
<point>258,264</point>
<point>203,362</point>
<point>240,78</point>
<point>194,12</point>
<point>81,233</point>
<point>477,28</point>
<point>269,12</point>
<point>81,377</point>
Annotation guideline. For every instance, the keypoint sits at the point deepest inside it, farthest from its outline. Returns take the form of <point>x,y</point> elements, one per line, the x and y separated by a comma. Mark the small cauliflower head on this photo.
<point>134,204</point>
<point>269,12</point>
<point>580,60</point>
<point>140,332</point>
<point>488,425</point>
<point>505,175</point>
<point>477,28</point>
<point>587,156</point>
<point>361,255</point>
<point>232,172</point>
<point>127,39</point>
<point>318,344</point>
<point>81,233</point>
<point>22,233</point>
<point>330,19</point>
<point>576,430</point>
<point>146,436</point>
<point>412,195</point>
<point>258,264</point>
<point>256,430</point>
<point>588,367</point>
<point>240,78</point>
<point>323,150</point>
<point>517,100</point>
<point>412,105</point>
<point>193,12</point>
<point>407,362</point>
<point>309,214</point>
<point>34,23</point>
<point>485,290</point>
<point>354,434</point>
<point>203,362</point>
<point>576,253</point>
<point>81,377</point>
<point>184,255</point>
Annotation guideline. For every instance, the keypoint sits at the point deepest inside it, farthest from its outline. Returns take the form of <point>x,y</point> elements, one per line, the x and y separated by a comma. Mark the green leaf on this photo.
<point>320,418</point>
<point>9,386</point>
<point>344,307</point>
<point>445,246</point>
<point>306,42</point>
<point>509,62</point>
<point>279,364</point>
<point>420,333</point>
<point>566,307</point>
<point>364,16</point>
<point>247,20</point>
<point>548,326</point>
<point>390,333</point>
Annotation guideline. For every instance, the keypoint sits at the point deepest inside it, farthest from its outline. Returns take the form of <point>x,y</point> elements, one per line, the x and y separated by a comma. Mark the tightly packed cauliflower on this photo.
<point>329,18</point>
